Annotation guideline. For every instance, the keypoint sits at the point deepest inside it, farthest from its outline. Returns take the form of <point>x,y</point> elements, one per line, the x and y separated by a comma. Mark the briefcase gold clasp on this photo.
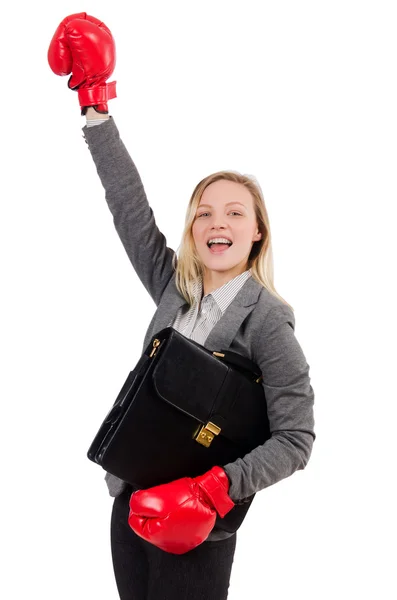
<point>156,344</point>
<point>207,434</point>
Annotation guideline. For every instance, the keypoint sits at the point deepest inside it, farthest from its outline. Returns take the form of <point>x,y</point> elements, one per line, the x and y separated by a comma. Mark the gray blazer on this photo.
<point>255,324</point>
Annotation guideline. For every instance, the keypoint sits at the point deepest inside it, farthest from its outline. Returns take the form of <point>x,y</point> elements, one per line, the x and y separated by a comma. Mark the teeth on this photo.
<point>219,241</point>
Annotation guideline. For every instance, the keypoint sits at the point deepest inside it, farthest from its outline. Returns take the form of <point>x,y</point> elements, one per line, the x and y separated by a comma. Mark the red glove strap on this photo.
<point>97,95</point>
<point>215,485</point>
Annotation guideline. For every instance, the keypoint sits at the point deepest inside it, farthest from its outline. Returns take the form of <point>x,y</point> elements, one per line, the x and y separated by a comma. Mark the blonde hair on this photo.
<point>187,263</point>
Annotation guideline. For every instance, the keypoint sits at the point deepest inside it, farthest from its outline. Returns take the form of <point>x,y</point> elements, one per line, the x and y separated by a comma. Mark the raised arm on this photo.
<point>133,218</point>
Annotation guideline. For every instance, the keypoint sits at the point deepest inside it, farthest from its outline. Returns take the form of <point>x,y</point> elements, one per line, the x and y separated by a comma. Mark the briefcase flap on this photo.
<point>189,378</point>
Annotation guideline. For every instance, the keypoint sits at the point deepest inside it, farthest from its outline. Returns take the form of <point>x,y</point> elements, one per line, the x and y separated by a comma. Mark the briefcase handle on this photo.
<point>245,365</point>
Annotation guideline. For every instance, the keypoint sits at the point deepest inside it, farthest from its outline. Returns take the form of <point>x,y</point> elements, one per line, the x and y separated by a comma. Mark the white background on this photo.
<point>303,96</point>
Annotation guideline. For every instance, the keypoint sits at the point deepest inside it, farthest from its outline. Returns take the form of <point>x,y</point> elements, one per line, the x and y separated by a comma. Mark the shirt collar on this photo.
<point>223,295</point>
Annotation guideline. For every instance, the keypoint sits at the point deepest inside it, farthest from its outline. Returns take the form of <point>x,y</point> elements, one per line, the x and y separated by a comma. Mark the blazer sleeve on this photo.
<point>290,399</point>
<point>133,218</point>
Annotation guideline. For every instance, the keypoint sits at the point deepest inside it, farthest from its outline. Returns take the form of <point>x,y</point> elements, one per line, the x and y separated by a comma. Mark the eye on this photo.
<point>206,213</point>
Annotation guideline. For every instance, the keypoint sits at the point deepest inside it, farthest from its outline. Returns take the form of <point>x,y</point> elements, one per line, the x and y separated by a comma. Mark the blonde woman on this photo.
<point>217,291</point>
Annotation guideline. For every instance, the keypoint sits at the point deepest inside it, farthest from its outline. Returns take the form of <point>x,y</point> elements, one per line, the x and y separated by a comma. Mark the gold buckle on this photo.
<point>207,434</point>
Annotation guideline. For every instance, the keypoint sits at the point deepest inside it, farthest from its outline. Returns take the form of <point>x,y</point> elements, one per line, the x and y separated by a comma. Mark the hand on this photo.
<point>83,45</point>
<point>178,516</point>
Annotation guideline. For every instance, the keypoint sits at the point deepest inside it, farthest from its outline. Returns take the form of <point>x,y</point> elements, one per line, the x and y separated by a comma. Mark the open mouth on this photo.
<point>216,248</point>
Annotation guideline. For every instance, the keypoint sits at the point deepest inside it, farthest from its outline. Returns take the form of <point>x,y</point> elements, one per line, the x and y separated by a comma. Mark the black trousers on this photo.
<point>144,572</point>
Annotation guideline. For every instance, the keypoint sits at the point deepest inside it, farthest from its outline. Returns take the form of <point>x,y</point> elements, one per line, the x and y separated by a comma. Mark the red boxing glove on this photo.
<point>178,516</point>
<point>83,45</point>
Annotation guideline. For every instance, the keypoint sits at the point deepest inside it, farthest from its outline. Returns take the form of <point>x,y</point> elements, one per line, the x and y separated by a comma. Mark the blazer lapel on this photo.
<point>225,330</point>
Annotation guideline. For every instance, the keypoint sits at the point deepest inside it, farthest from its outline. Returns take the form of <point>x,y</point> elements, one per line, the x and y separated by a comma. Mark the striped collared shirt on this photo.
<point>196,324</point>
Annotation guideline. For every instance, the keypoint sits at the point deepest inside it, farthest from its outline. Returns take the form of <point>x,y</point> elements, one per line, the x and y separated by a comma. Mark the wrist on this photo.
<point>92,114</point>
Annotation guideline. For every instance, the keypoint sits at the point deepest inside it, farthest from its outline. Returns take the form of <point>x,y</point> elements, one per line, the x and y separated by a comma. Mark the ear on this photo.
<point>257,236</point>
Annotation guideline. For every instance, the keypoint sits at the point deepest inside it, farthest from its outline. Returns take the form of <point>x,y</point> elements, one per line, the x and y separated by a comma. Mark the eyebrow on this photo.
<point>210,206</point>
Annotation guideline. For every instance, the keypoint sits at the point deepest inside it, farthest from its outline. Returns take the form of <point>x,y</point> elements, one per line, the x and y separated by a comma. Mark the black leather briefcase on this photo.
<point>181,411</point>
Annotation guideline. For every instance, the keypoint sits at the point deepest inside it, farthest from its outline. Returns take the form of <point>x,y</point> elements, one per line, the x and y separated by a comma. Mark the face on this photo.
<point>226,209</point>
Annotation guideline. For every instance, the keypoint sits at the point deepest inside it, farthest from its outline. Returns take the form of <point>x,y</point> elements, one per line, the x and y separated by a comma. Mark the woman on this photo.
<point>219,292</point>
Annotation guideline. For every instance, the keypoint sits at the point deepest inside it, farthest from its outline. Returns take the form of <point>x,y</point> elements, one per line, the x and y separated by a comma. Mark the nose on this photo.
<point>217,224</point>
